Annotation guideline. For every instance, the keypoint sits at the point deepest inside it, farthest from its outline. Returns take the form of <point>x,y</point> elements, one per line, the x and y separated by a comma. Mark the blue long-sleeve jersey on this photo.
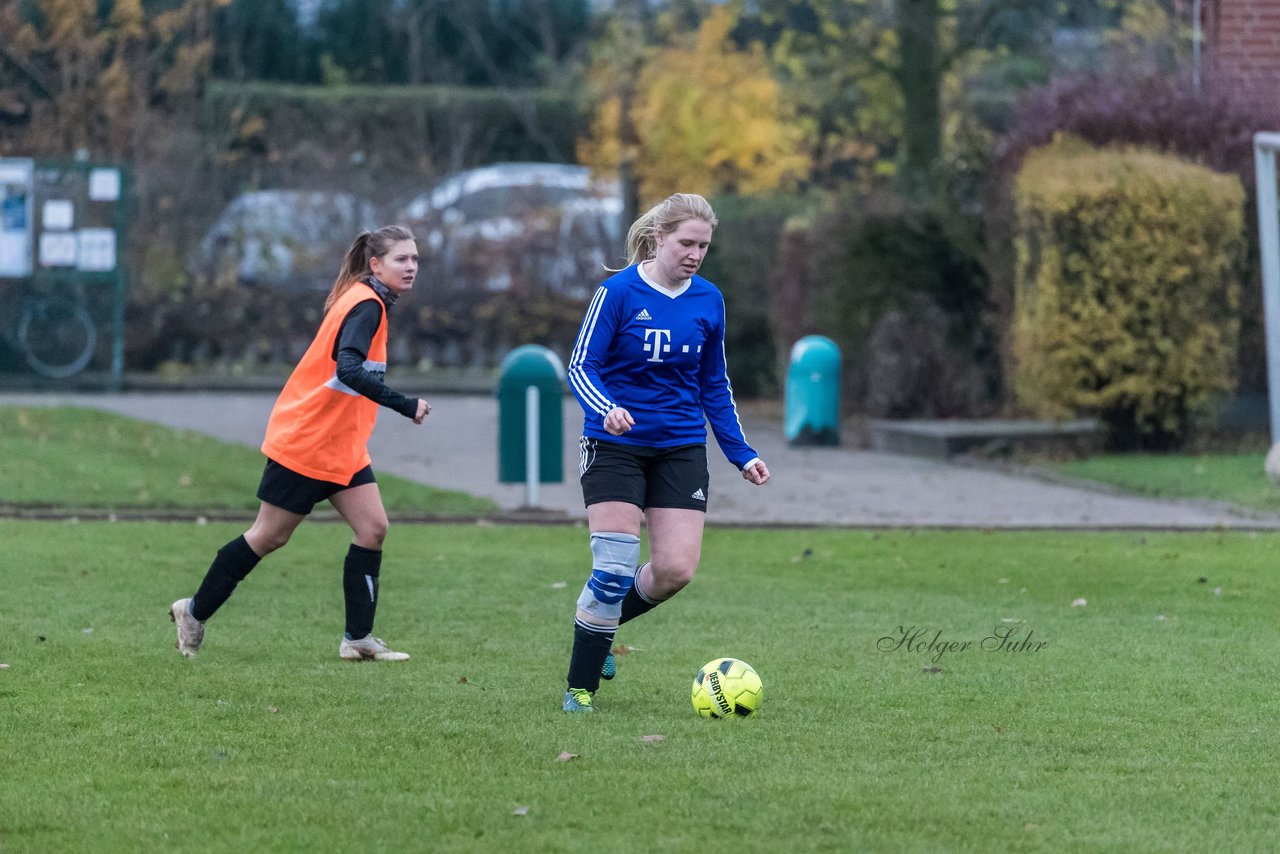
<point>658,354</point>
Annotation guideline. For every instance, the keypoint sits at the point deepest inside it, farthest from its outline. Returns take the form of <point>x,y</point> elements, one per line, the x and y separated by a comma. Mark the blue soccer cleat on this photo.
<point>610,668</point>
<point>577,700</point>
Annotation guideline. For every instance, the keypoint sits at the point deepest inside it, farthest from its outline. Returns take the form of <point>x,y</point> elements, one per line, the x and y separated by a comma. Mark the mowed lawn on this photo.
<point>73,459</point>
<point>1237,478</point>
<point>1142,719</point>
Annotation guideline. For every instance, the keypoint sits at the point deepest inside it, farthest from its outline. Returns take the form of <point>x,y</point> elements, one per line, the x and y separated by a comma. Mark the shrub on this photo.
<point>1126,298</point>
<point>1214,127</point>
<point>742,256</point>
<point>883,277</point>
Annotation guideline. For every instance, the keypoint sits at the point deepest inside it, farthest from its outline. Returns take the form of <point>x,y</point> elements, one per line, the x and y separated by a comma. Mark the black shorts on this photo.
<point>297,493</point>
<point>646,477</point>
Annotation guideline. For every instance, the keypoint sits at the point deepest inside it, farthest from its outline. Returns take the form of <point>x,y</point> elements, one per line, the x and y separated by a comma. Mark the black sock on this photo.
<point>360,587</point>
<point>636,602</point>
<point>590,646</point>
<point>235,560</point>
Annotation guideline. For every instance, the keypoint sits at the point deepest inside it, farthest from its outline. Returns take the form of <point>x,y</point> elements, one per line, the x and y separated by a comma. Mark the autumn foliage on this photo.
<point>1126,303</point>
<point>708,118</point>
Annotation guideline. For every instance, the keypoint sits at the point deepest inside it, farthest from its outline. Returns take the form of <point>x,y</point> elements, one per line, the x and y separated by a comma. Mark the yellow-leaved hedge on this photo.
<point>1127,292</point>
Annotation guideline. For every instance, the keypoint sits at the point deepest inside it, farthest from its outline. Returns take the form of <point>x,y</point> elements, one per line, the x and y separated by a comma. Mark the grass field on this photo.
<point>1235,478</point>
<point>79,459</point>
<point>1146,721</point>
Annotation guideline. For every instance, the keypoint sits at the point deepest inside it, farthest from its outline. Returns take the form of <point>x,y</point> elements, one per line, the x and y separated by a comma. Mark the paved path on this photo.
<point>456,448</point>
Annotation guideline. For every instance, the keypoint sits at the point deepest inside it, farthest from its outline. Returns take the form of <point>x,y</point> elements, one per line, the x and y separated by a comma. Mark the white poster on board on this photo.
<point>58,249</point>
<point>58,215</point>
<point>15,217</point>
<point>15,254</point>
<point>104,185</point>
<point>97,250</point>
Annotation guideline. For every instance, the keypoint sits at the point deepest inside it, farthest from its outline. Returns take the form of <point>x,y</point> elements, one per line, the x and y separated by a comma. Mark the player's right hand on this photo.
<point>618,421</point>
<point>424,409</point>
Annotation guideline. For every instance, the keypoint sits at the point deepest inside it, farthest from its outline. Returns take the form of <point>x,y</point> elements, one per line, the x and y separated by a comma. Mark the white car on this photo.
<point>524,227</point>
<point>292,239</point>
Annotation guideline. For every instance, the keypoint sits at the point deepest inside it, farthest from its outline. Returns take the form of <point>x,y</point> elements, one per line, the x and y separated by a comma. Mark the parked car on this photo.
<point>528,227</point>
<point>291,239</point>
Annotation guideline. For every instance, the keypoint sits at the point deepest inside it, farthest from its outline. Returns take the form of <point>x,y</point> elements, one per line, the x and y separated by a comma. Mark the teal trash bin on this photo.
<point>530,397</point>
<point>812,405</point>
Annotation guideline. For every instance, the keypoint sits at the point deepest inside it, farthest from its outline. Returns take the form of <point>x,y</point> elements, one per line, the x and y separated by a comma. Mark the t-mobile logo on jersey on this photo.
<point>661,344</point>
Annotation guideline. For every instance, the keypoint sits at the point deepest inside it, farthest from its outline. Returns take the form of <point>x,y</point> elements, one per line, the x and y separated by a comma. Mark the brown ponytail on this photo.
<point>367,246</point>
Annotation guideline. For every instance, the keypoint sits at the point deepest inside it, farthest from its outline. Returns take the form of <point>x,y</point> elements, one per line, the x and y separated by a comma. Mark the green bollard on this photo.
<point>812,406</point>
<point>530,419</point>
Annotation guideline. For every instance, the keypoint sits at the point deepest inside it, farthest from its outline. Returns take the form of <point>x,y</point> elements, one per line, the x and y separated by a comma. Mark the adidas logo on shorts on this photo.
<point>698,495</point>
<point>644,315</point>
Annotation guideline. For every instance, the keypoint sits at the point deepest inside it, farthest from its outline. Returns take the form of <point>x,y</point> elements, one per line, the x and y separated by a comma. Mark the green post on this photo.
<point>121,285</point>
<point>530,419</point>
<point>812,405</point>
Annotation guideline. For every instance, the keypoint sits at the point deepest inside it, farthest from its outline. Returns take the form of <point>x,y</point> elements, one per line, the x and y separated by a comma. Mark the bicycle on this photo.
<point>54,332</point>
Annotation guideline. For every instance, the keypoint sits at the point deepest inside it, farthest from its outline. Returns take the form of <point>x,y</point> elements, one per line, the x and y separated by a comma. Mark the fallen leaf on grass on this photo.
<point>1079,603</point>
<point>999,729</point>
<point>623,649</point>
<point>560,585</point>
<point>272,709</point>
<point>653,739</point>
<point>462,680</point>
<point>520,811</point>
<point>931,669</point>
<point>566,756</point>
<point>1217,591</point>
<point>4,667</point>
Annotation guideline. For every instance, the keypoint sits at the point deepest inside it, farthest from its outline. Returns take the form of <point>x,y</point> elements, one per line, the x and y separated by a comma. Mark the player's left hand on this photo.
<point>757,473</point>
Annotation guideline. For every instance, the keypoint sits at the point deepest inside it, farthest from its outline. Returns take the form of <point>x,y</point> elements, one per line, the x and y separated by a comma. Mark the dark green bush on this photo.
<point>885,279</point>
<point>743,255</point>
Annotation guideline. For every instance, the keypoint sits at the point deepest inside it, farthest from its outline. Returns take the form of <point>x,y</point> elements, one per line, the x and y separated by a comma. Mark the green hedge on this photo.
<point>1127,293</point>
<point>385,130</point>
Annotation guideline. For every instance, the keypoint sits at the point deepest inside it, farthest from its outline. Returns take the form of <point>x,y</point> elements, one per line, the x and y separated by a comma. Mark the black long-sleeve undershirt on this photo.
<point>355,337</point>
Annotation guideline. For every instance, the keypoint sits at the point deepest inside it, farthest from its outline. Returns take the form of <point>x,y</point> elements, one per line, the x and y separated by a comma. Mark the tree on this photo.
<point>505,43</point>
<point>101,77</point>
<point>871,78</point>
<point>708,118</point>
<point>835,62</point>
<point>261,40</point>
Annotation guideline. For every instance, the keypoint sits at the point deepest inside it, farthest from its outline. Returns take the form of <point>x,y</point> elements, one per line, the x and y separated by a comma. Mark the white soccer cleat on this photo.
<point>368,648</point>
<point>190,630</point>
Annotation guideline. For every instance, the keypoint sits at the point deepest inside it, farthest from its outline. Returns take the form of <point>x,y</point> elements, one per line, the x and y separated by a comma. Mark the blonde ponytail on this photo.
<point>664,218</point>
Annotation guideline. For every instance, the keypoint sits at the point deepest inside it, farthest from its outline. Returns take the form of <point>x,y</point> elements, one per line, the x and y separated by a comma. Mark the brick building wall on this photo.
<point>1242,53</point>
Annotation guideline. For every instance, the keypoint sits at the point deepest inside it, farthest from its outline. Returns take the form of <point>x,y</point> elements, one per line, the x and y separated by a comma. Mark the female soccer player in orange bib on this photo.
<point>316,445</point>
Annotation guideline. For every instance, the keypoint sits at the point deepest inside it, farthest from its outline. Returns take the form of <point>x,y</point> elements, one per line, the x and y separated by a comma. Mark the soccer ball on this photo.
<point>726,688</point>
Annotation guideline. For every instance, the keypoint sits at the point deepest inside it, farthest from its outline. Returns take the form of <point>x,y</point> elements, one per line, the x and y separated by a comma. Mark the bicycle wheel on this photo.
<point>57,336</point>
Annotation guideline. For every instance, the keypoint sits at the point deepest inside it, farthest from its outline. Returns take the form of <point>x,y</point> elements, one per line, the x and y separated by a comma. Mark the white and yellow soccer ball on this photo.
<point>727,688</point>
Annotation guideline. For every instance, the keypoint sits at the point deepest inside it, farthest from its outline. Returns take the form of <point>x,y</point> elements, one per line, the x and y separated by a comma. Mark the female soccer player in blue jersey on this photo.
<point>649,370</point>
